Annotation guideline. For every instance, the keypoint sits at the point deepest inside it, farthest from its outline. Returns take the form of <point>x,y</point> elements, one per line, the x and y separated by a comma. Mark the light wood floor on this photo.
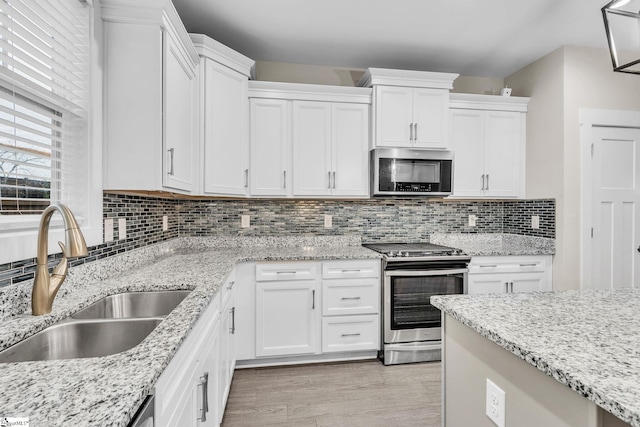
<point>353,394</point>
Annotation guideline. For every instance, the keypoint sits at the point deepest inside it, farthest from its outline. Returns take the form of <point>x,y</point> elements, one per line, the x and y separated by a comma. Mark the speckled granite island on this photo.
<point>107,391</point>
<point>568,358</point>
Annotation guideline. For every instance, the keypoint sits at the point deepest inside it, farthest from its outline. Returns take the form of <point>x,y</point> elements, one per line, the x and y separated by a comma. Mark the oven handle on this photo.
<point>405,273</point>
<point>419,346</point>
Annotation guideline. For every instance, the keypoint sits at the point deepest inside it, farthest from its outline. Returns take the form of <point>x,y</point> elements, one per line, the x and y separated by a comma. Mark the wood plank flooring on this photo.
<point>353,394</point>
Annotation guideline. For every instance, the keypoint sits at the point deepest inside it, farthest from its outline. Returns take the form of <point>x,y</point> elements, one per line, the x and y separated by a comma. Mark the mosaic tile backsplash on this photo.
<point>401,220</point>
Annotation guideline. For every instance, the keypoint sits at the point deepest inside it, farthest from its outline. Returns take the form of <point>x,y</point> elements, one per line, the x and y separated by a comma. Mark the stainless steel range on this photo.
<point>413,272</point>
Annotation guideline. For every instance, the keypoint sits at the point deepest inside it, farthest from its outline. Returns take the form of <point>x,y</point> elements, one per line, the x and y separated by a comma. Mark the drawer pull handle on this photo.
<point>204,382</point>
<point>352,270</point>
<point>488,266</point>
<point>533,264</point>
<point>313,302</point>
<point>354,298</point>
<point>357,334</point>
<point>287,272</point>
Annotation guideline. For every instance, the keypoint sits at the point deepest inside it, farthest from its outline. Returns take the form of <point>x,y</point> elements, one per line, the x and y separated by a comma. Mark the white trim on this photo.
<point>309,92</point>
<point>588,119</point>
<point>212,49</point>
<point>488,102</point>
<point>407,78</point>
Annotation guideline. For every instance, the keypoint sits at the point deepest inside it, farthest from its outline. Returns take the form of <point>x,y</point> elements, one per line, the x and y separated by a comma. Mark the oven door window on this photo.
<point>411,299</point>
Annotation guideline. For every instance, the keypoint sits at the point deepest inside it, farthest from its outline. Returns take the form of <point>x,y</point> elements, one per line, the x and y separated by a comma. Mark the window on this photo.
<point>44,86</point>
<point>50,127</point>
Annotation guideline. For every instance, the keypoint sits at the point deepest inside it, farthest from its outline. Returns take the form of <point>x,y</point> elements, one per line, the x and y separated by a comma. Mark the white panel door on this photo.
<point>394,115</point>
<point>350,149</point>
<point>180,119</point>
<point>467,143</point>
<point>226,135</point>
<point>287,318</point>
<point>269,147</point>
<point>502,154</point>
<point>311,148</point>
<point>487,284</point>
<point>430,110</point>
<point>527,282</point>
<point>615,198</point>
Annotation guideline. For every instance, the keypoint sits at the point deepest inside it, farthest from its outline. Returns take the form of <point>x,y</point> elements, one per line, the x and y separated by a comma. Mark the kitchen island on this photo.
<point>569,358</point>
<point>107,391</point>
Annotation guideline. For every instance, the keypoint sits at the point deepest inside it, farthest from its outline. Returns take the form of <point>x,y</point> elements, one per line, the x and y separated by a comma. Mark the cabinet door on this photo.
<point>226,129</point>
<point>227,359</point>
<point>502,154</point>
<point>311,148</point>
<point>467,143</point>
<point>287,318</point>
<point>430,118</point>
<point>269,147</point>
<point>528,282</point>
<point>209,376</point>
<point>394,115</point>
<point>180,108</point>
<point>487,284</point>
<point>350,149</point>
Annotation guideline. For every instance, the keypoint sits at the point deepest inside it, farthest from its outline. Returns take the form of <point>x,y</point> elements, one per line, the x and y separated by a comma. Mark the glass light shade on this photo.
<point>622,25</point>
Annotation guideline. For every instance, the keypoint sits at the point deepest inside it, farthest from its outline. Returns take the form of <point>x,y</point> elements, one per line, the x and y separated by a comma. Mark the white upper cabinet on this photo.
<point>330,149</point>
<point>309,140</point>
<point>488,140</point>
<point>410,108</point>
<point>224,117</point>
<point>151,102</point>
<point>270,120</point>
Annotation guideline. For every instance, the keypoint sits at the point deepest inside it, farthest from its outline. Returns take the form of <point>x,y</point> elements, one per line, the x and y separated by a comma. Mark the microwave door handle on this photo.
<point>409,273</point>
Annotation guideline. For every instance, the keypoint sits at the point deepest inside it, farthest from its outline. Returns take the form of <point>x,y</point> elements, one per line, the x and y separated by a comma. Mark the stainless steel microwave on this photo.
<point>411,172</point>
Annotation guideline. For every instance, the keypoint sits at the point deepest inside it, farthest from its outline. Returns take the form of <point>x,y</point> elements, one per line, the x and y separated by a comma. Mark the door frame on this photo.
<point>589,119</point>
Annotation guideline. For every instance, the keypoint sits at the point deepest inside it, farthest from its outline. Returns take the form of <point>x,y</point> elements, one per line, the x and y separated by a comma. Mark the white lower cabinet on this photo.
<point>509,274</point>
<point>350,333</point>
<point>187,389</point>
<point>193,389</point>
<point>287,317</point>
<point>311,308</point>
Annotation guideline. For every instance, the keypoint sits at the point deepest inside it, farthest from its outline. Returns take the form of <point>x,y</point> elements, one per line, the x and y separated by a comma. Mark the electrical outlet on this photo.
<point>245,221</point>
<point>495,403</point>
<point>535,221</point>
<point>472,220</point>
<point>165,223</point>
<point>328,221</point>
<point>122,228</point>
<point>108,229</point>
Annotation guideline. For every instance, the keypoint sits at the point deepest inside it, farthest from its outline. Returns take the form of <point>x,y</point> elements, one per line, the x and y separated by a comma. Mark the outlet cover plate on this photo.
<point>535,222</point>
<point>245,221</point>
<point>165,223</point>
<point>495,406</point>
<point>122,228</point>
<point>472,220</point>
<point>328,221</point>
<point>108,229</point>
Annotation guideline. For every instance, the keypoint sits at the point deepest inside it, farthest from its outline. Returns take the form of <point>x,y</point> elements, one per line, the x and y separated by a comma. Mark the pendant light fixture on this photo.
<point>622,25</point>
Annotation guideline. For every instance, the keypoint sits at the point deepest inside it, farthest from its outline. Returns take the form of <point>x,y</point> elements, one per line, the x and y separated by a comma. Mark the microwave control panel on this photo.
<point>411,186</point>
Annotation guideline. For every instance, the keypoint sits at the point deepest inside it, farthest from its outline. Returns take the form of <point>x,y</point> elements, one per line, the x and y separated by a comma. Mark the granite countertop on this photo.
<point>587,340</point>
<point>108,390</point>
<point>496,244</point>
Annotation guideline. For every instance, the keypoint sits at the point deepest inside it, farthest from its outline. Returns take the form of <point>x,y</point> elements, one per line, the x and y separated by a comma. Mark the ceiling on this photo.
<point>491,38</point>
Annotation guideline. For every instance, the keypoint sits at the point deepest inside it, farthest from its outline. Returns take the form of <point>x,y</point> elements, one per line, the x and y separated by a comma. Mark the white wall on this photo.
<point>343,76</point>
<point>560,84</point>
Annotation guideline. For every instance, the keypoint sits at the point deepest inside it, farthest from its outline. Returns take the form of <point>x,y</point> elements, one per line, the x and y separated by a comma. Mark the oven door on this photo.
<point>408,313</point>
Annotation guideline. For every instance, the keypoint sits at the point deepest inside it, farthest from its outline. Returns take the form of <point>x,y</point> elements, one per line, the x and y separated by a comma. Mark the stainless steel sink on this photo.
<point>133,305</point>
<point>78,339</point>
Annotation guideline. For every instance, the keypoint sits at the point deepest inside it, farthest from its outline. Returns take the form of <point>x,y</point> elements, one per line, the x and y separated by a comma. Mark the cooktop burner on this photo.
<point>414,250</point>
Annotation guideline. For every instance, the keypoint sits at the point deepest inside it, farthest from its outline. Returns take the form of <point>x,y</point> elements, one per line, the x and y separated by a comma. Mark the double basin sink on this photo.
<point>110,325</point>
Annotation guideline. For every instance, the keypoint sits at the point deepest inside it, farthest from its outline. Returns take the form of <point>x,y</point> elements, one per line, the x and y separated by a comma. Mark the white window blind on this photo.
<point>44,80</point>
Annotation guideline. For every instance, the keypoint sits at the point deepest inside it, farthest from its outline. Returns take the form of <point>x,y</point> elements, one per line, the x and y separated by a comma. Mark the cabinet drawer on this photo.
<point>286,271</point>
<point>350,333</point>
<point>507,264</point>
<point>350,296</point>
<point>350,268</point>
